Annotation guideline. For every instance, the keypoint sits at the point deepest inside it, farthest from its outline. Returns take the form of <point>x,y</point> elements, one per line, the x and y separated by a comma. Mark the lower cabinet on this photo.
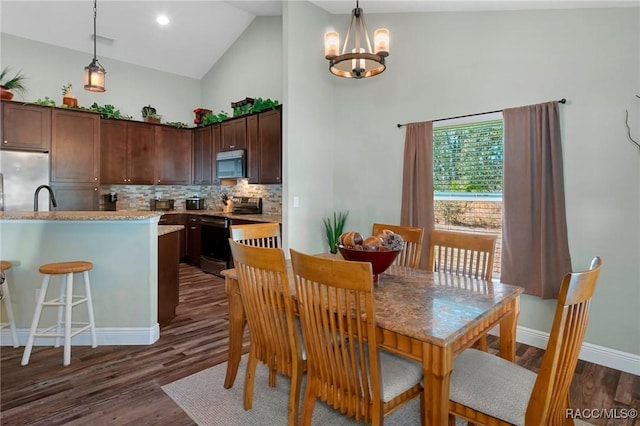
<point>177,219</point>
<point>168,276</point>
<point>194,238</point>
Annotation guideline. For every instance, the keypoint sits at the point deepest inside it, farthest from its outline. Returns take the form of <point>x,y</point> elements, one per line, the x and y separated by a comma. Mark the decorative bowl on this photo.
<point>380,259</point>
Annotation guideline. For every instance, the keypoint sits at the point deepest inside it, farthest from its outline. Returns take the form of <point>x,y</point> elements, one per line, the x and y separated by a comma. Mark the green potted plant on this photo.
<point>149,114</point>
<point>10,85</point>
<point>334,228</point>
<point>67,97</point>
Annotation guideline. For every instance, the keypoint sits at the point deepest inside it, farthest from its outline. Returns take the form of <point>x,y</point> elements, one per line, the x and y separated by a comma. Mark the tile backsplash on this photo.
<point>138,197</point>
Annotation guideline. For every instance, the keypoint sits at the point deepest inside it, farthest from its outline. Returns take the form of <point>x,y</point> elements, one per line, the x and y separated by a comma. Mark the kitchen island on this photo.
<point>123,247</point>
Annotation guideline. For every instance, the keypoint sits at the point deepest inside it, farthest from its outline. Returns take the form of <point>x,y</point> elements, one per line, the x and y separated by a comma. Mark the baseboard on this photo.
<point>115,336</point>
<point>612,358</point>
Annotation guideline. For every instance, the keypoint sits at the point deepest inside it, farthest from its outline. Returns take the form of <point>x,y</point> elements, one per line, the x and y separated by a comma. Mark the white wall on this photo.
<point>129,87</point>
<point>252,68</point>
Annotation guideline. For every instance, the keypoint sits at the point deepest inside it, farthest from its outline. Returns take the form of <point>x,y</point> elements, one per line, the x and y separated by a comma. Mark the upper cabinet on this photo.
<point>75,146</point>
<point>206,143</point>
<point>127,153</point>
<point>264,138</point>
<point>75,159</point>
<point>233,134</point>
<point>174,157</point>
<point>26,127</point>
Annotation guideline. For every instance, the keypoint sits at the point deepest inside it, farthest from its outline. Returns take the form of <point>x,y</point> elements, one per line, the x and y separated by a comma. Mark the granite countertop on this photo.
<point>167,229</point>
<point>267,218</point>
<point>81,215</point>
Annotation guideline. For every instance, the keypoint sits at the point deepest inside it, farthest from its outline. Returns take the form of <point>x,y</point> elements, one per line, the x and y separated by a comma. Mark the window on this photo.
<point>467,177</point>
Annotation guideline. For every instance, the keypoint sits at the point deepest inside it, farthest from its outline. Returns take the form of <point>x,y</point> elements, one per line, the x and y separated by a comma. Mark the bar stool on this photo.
<point>6,298</point>
<point>65,303</point>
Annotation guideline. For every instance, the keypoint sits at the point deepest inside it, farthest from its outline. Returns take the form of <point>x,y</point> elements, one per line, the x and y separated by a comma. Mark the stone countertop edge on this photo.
<point>265,217</point>
<point>167,229</point>
<point>82,215</point>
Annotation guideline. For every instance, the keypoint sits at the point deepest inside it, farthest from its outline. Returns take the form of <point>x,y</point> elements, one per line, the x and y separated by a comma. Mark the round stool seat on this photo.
<point>5,265</point>
<point>65,267</point>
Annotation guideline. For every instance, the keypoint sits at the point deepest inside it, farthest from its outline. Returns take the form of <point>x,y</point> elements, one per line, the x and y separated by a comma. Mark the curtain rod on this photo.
<point>562,101</point>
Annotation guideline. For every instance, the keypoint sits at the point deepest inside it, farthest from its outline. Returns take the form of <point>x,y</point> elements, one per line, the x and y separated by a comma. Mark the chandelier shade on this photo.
<point>360,60</point>
<point>94,73</point>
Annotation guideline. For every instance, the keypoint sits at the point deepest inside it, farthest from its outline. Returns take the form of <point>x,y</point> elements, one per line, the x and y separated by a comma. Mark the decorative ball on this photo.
<point>350,238</point>
<point>372,243</point>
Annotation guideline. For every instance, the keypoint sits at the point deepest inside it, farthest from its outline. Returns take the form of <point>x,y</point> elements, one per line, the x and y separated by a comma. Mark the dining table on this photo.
<point>430,317</point>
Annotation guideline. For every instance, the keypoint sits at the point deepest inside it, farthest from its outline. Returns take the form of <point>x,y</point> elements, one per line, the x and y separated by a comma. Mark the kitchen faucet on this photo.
<point>35,197</point>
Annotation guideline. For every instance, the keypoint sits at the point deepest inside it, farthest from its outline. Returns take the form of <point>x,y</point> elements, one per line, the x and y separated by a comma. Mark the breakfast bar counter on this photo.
<point>123,247</point>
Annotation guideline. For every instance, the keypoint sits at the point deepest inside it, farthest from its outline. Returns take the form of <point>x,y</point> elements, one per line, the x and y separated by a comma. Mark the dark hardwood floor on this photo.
<point>120,385</point>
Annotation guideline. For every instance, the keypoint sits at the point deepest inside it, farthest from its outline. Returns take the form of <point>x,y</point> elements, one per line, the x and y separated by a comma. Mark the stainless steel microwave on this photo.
<point>231,164</point>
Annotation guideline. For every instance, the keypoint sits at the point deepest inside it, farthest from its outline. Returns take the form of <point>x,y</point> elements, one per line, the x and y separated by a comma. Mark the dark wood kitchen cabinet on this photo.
<point>174,149</point>
<point>194,238</point>
<point>177,219</point>
<point>264,134</point>
<point>127,153</point>
<point>206,144</point>
<point>168,277</point>
<point>233,134</point>
<point>75,159</point>
<point>26,127</point>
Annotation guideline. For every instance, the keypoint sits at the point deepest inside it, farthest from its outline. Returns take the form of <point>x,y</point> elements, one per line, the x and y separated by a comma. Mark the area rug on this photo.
<point>203,397</point>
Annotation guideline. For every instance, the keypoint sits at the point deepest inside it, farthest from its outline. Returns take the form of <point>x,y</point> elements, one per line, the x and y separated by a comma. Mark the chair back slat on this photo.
<point>335,298</point>
<point>410,255</point>
<point>257,234</point>
<point>551,390</point>
<point>462,253</point>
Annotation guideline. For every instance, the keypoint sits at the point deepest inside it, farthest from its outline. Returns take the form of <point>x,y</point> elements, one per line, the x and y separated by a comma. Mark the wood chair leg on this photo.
<point>252,362</point>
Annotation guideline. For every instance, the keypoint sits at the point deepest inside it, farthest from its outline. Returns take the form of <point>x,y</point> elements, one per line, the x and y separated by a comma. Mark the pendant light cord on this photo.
<point>95,16</point>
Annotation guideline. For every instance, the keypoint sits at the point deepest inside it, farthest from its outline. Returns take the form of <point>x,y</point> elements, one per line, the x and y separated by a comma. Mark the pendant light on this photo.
<point>94,73</point>
<point>357,62</point>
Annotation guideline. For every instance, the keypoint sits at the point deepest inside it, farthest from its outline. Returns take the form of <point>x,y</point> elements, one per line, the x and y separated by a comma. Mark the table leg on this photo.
<point>437,365</point>
<point>237,321</point>
<point>508,332</point>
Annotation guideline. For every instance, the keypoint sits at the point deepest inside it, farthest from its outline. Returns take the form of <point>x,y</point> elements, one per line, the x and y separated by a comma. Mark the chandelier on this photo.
<point>94,72</point>
<point>357,62</point>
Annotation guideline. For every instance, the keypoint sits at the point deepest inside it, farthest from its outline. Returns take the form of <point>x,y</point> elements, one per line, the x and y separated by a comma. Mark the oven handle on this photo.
<point>218,222</point>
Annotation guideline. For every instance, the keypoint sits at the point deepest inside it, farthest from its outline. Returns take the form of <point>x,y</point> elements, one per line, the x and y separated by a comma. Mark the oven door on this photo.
<point>215,254</point>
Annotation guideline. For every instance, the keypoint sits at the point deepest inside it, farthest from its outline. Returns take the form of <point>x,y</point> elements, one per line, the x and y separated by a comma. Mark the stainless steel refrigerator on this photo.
<point>20,174</point>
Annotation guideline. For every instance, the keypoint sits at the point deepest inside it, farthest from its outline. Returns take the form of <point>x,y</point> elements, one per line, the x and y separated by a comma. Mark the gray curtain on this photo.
<point>417,182</point>
<point>535,249</point>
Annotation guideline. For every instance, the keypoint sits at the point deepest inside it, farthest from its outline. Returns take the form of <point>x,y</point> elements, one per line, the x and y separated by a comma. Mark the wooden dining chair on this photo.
<point>489,390</point>
<point>257,234</point>
<point>345,367</point>
<point>410,255</point>
<point>463,253</point>
<point>274,337</point>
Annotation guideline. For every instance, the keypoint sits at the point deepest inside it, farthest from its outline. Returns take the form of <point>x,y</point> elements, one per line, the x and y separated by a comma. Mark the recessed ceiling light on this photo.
<point>162,20</point>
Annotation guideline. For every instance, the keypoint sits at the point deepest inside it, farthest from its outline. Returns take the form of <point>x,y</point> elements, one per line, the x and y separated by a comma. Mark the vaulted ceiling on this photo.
<point>199,32</point>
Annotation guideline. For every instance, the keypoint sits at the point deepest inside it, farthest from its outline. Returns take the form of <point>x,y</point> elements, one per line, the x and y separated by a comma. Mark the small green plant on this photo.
<point>258,105</point>
<point>149,111</point>
<point>66,89</point>
<point>333,229</point>
<point>213,118</point>
<point>177,124</point>
<point>45,102</point>
<point>15,83</point>
<point>108,111</point>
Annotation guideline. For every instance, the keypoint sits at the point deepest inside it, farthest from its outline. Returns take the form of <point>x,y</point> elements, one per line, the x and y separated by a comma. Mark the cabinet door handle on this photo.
<point>95,178</point>
<point>6,141</point>
<point>95,189</point>
<point>232,146</point>
<point>193,227</point>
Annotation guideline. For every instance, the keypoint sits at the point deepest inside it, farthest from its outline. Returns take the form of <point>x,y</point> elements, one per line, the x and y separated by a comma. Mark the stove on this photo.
<point>247,205</point>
